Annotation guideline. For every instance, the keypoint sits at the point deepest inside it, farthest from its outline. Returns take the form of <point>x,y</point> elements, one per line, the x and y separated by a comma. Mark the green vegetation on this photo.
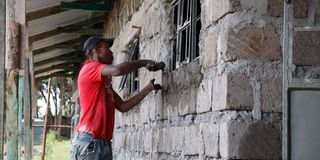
<point>57,148</point>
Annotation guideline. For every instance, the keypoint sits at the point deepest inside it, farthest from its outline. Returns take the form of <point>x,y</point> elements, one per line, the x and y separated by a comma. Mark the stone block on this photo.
<point>210,134</point>
<point>300,8</point>
<point>213,10</point>
<point>144,112</point>
<point>204,98</point>
<point>118,119</point>
<point>306,47</point>
<point>249,140</point>
<point>171,102</point>
<point>210,50</point>
<point>164,143</point>
<point>271,93</point>
<point>232,91</point>
<point>252,43</point>
<point>118,140</point>
<point>147,141</point>
<point>177,137</point>
<point>187,99</point>
<point>192,141</point>
<point>160,108</point>
<point>260,6</point>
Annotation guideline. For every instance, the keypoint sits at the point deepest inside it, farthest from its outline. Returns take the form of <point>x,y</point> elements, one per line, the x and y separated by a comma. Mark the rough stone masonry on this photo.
<point>225,104</point>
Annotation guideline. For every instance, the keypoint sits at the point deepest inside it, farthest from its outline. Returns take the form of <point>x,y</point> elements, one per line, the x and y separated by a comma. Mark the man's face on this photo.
<point>105,55</point>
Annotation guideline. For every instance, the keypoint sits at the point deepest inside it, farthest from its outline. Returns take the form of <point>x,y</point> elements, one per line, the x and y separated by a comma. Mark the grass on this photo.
<point>57,148</point>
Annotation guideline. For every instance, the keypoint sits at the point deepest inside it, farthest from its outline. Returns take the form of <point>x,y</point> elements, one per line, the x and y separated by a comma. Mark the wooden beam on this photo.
<point>55,74</point>
<point>12,55</point>
<point>65,66</point>
<point>86,31</point>
<point>50,64</point>
<point>75,44</point>
<point>67,29</point>
<point>2,73</point>
<point>76,56</point>
<point>86,6</point>
<point>27,112</point>
<point>46,122</point>
<point>44,13</point>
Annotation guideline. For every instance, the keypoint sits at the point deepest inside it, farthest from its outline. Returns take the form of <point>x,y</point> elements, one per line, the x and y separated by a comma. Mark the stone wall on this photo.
<point>226,104</point>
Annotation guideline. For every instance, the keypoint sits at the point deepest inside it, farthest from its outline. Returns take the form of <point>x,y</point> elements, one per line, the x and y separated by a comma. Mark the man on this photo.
<point>98,100</point>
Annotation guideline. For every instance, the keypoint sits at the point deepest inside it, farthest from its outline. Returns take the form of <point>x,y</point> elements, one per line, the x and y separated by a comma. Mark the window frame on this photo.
<point>131,81</point>
<point>187,24</point>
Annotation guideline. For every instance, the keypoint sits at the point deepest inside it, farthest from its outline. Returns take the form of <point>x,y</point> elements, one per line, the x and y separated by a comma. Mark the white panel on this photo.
<point>304,124</point>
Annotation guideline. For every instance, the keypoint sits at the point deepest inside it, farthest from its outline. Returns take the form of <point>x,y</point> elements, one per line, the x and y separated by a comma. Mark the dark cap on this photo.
<point>94,41</point>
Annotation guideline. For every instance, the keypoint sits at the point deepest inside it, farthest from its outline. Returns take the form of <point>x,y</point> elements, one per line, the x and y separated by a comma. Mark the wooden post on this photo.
<point>12,53</point>
<point>62,103</point>
<point>45,122</point>
<point>2,72</point>
<point>27,113</point>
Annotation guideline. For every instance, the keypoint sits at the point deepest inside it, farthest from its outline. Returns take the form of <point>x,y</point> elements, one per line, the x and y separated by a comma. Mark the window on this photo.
<point>186,39</point>
<point>132,82</point>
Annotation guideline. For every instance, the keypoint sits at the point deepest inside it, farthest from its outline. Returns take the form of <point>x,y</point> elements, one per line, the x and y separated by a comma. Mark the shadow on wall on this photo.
<point>259,141</point>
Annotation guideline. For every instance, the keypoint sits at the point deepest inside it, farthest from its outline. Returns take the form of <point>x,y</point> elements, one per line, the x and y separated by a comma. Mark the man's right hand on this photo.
<point>155,66</point>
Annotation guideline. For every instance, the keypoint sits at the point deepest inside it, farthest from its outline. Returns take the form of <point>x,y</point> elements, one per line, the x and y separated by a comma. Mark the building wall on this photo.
<point>226,104</point>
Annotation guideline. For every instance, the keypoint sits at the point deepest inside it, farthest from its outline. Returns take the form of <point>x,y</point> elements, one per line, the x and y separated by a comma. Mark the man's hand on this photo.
<point>153,66</point>
<point>154,86</point>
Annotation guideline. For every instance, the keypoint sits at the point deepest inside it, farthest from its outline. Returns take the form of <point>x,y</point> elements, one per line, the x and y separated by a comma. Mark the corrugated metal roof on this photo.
<point>47,33</point>
<point>48,73</point>
<point>51,54</point>
<point>44,66</point>
<point>55,40</point>
<point>36,5</point>
<point>52,22</point>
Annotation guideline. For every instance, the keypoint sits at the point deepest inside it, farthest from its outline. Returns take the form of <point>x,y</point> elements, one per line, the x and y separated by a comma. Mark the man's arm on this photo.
<point>127,67</point>
<point>124,106</point>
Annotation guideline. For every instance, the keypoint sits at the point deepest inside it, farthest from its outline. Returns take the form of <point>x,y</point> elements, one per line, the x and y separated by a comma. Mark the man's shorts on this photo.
<point>84,147</point>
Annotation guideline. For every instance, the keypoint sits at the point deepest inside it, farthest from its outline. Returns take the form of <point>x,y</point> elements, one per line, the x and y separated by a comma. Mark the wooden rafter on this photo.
<point>70,66</point>
<point>86,6</point>
<point>75,56</point>
<point>44,13</point>
<point>75,44</point>
<point>73,28</point>
<point>55,74</point>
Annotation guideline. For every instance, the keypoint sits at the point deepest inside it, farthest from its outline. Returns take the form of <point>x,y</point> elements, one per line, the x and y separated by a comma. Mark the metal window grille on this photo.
<point>131,79</point>
<point>186,39</point>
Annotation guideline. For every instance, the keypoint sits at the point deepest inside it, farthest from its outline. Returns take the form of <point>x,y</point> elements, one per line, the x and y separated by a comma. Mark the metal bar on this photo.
<point>27,113</point>
<point>86,6</point>
<point>287,48</point>
<point>131,52</point>
<point>46,121</point>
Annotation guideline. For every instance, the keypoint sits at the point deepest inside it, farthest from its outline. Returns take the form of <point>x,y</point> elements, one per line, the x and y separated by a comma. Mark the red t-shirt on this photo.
<point>96,101</point>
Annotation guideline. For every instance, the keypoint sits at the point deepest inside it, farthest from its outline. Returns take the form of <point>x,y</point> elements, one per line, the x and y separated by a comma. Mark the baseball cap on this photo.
<point>93,41</point>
